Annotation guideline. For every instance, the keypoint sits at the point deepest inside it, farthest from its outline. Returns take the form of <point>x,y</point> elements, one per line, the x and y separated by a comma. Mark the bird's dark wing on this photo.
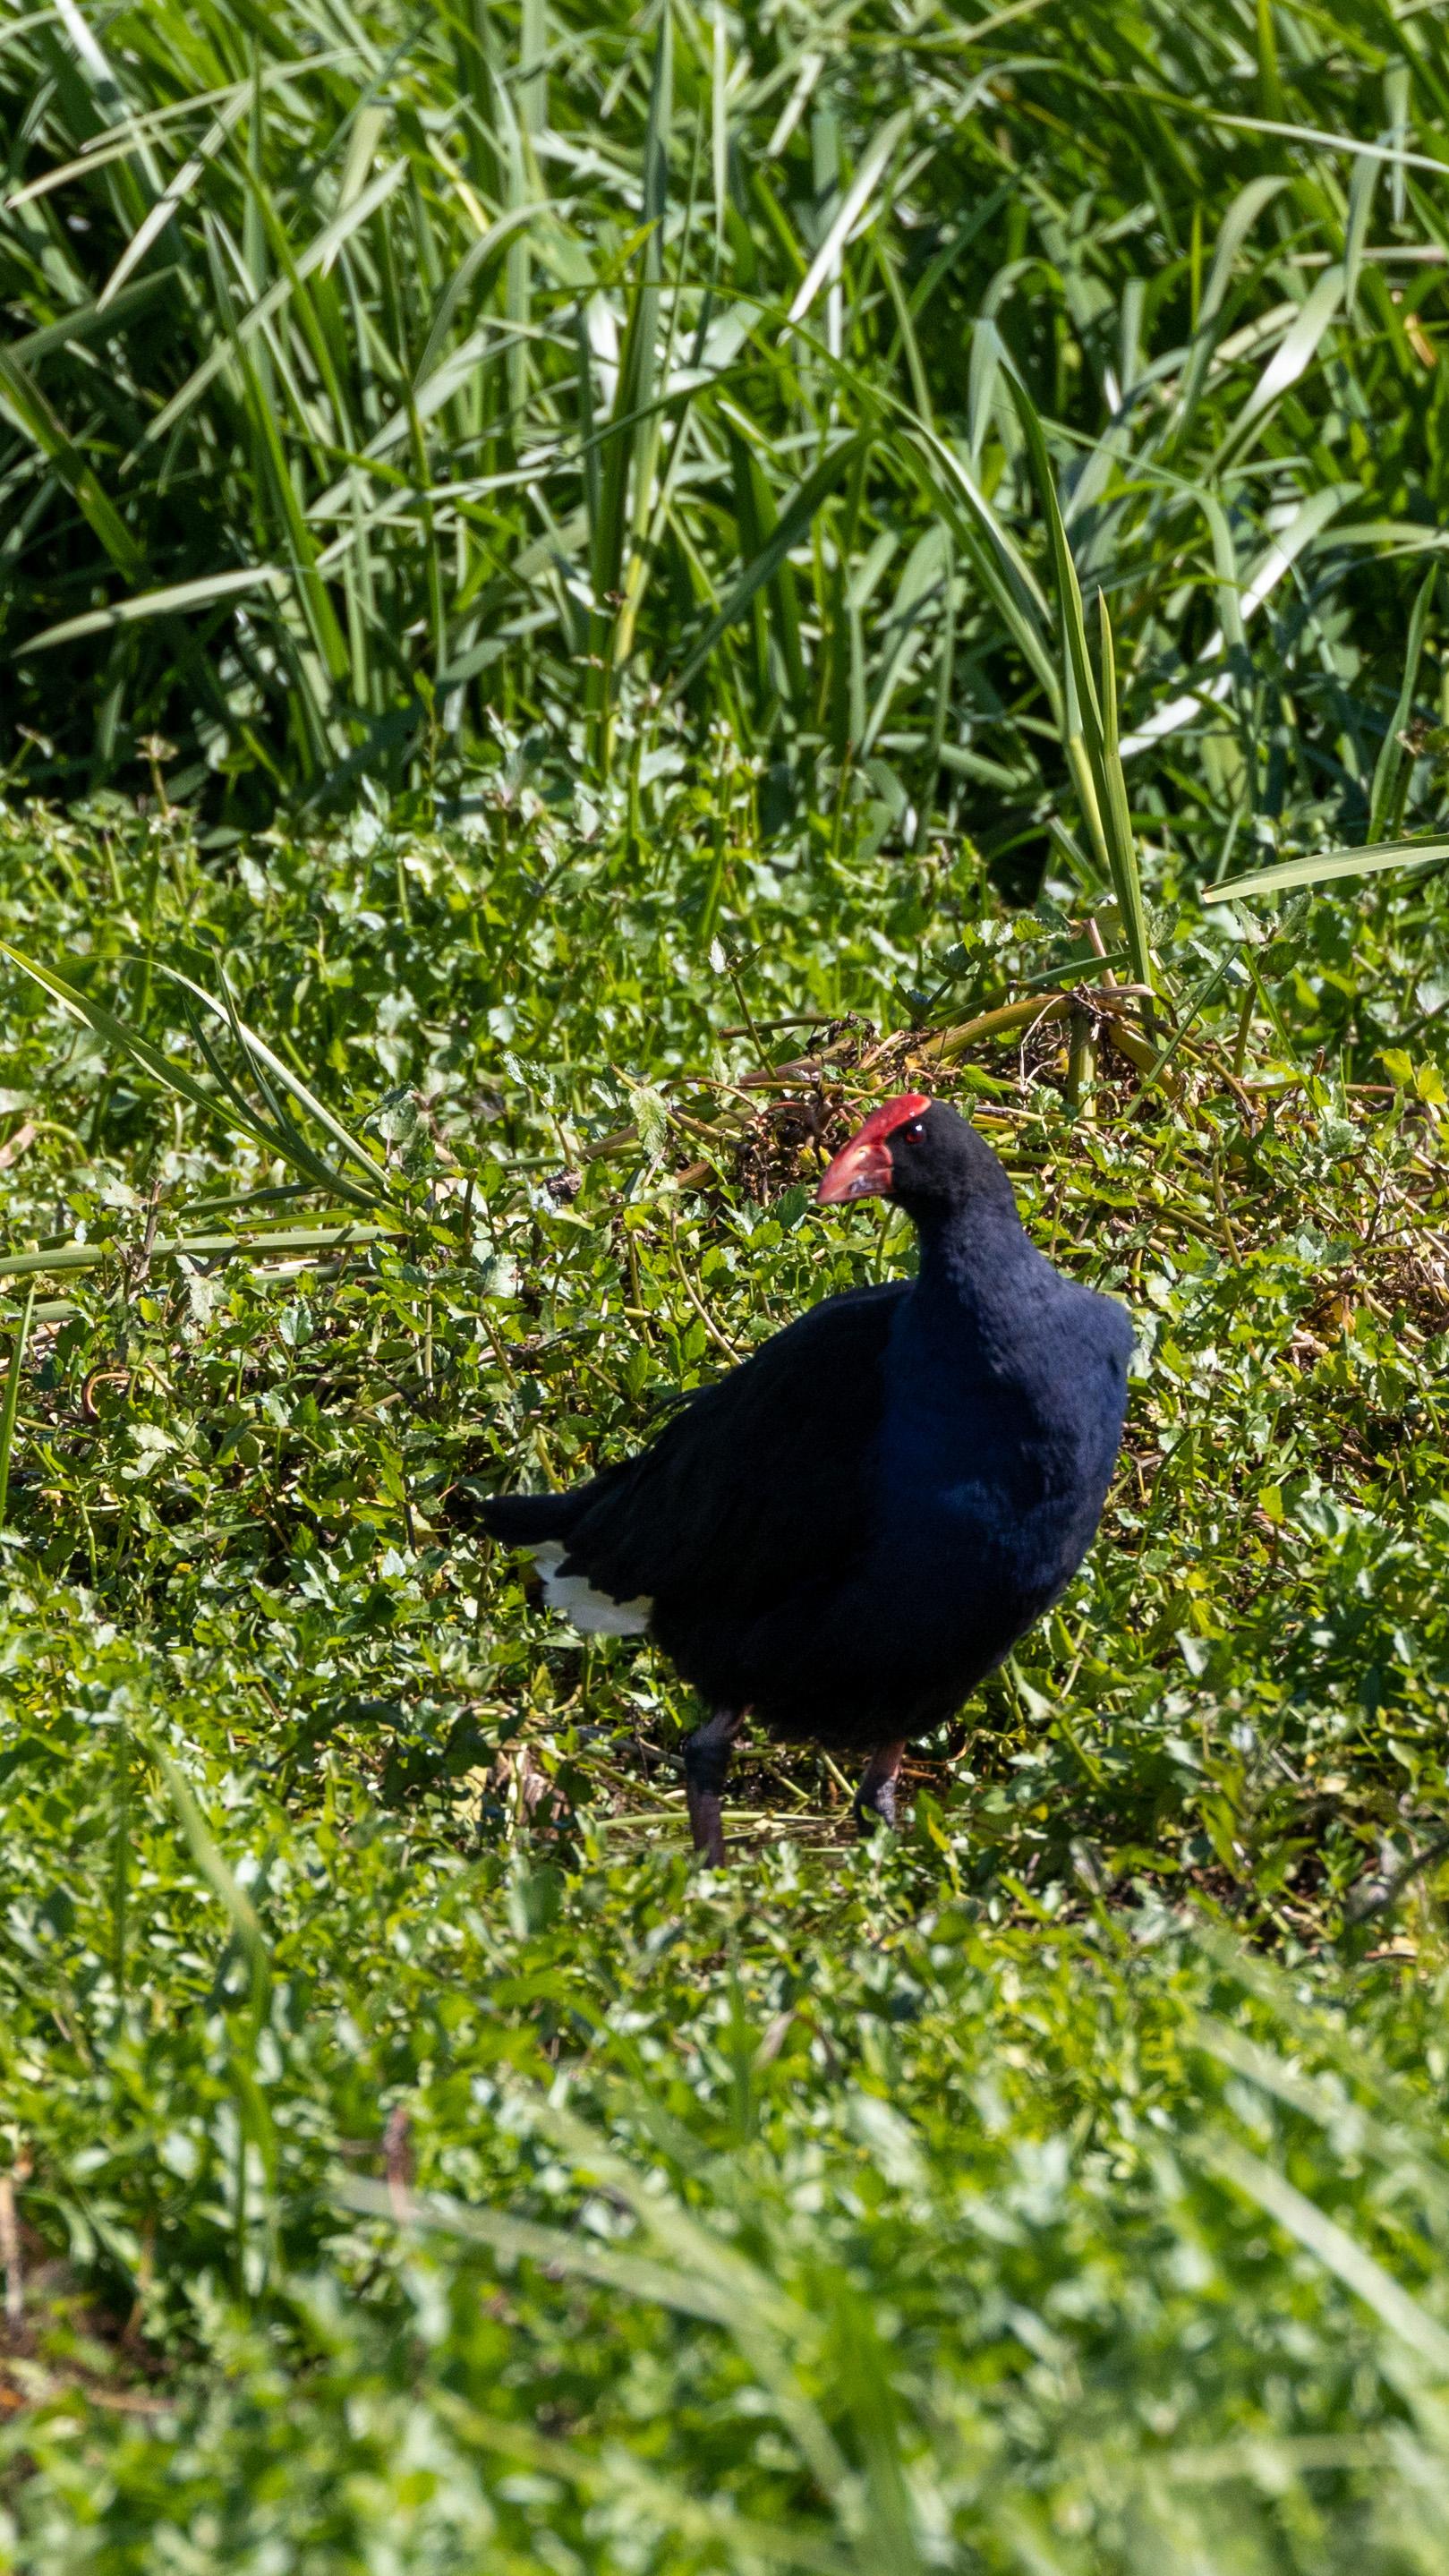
<point>761,1486</point>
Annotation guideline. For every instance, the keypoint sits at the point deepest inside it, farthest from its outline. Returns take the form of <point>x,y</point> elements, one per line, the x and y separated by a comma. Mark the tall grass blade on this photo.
<point>738,2539</point>
<point>632,441</point>
<point>365,1185</point>
<point>182,596</point>
<point>1308,523</point>
<point>793,524</point>
<point>127,1041</point>
<point>1327,867</point>
<point>208,1857</point>
<point>1290,360</point>
<point>1394,766</point>
<point>1331,2245</point>
<point>522,2240</point>
<point>10,1411</point>
<point>300,1243</point>
<point>323,248</point>
<point>265,1062</point>
<point>1126,876</point>
<point>1108,813</point>
<point>851,207</point>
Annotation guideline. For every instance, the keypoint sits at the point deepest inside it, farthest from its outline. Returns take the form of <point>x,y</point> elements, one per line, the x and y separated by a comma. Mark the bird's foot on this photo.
<point>879,1810</point>
<point>706,1824</point>
<point>875,1799</point>
<point>706,1768</point>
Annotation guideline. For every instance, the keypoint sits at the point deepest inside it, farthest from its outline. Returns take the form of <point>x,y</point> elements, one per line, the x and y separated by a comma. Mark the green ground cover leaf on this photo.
<point>398,2131</point>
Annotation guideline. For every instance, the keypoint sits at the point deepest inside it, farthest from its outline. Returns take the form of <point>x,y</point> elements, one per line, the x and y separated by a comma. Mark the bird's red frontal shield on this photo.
<point>862,1169</point>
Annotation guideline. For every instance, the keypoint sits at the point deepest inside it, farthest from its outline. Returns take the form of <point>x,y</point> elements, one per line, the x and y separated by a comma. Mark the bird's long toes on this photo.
<point>871,1813</point>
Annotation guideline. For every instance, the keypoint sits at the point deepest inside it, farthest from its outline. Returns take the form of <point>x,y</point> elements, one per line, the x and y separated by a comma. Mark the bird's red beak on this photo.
<point>861,1170</point>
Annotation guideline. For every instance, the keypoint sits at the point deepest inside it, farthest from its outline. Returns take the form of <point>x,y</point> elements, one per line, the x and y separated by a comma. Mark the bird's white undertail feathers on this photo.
<point>592,1612</point>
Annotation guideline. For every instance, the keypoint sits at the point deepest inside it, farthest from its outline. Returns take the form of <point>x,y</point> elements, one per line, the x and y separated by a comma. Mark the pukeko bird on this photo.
<point>849,1530</point>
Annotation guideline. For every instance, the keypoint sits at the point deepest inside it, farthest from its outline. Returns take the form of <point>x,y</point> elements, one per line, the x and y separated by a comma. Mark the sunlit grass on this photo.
<point>374,374</point>
<point>462,2166</point>
<point>591,593</point>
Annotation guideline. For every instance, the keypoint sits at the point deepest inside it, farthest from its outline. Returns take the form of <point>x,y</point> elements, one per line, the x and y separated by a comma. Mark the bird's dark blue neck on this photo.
<point>978,1271</point>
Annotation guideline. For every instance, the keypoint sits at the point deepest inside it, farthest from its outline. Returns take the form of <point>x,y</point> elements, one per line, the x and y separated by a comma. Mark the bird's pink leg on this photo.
<point>875,1799</point>
<point>706,1768</point>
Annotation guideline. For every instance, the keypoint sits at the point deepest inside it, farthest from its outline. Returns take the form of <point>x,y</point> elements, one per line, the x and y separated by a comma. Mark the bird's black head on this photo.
<point>921,1154</point>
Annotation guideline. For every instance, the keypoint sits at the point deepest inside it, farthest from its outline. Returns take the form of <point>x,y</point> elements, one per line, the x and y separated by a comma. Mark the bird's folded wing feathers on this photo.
<point>762,1483</point>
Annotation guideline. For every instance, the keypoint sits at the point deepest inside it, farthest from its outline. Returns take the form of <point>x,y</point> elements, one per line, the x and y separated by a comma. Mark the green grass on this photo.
<point>951,2204</point>
<point>583,595</point>
<point>378,372</point>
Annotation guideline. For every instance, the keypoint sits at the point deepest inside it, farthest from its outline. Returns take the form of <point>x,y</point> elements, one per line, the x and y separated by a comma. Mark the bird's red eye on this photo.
<point>917,1127</point>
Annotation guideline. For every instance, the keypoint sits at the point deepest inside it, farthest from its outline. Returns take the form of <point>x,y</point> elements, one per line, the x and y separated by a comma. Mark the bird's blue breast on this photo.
<point>992,1475</point>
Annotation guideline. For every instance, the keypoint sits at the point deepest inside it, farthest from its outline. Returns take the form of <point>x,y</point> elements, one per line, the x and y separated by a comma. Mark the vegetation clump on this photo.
<point>587,600</point>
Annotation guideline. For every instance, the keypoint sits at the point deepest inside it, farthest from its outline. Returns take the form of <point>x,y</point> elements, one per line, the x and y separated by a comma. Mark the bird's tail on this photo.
<point>528,1520</point>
